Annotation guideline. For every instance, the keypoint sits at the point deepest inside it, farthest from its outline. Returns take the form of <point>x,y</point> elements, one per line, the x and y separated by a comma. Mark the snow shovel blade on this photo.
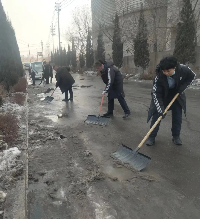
<point>97,120</point>
<point>48,99</point>
<point>135,159</point>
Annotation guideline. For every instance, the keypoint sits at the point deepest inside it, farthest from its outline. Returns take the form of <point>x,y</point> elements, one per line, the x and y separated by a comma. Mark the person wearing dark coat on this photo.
<point>112,77</point>
<point>171,78</point>
<point>64,81</point>
<point>48,71</point>
<point>51,71</point>
<point>33,76</point>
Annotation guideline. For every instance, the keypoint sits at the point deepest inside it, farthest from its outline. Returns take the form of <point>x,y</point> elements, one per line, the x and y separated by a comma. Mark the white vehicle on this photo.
<point>26,65</point>
<point>37,67</point>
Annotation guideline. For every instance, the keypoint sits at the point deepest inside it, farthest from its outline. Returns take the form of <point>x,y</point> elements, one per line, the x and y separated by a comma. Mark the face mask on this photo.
<point>173,73</point>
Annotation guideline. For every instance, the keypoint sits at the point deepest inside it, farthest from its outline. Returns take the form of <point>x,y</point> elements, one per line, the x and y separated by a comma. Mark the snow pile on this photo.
<point>12,107</point>
<point>8,158</point>
<point>90,72</point>
<point>196,82</point>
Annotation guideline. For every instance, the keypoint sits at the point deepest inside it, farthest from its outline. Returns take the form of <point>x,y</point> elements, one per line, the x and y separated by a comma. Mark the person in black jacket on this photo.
<point>32,76</point>
<point>171,78</point>
<point>112,77</point>
<point>64,81</point>
<point>51,71</point>
<point>48,71</point>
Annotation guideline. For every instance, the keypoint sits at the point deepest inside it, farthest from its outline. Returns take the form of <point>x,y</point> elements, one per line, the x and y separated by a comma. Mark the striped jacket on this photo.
<point>184,76</point>
<point>112,77</point>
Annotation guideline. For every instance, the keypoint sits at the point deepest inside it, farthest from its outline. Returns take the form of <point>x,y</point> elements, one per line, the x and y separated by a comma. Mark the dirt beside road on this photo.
<point>71,173</point>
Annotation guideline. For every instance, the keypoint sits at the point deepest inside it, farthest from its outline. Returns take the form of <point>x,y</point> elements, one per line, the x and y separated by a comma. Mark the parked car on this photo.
<point>26,65</point>
<point>37,67</point>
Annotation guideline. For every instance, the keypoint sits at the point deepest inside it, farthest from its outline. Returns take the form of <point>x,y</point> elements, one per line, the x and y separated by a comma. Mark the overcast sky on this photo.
<point>32,19</point>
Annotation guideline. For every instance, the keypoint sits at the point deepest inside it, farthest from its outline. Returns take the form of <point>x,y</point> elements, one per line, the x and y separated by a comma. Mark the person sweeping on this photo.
<point>112,77</point>
<point>64,81</point>
<point>171,78</point>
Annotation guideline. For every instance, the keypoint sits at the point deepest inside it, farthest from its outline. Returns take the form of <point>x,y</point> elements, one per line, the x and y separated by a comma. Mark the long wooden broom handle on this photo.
<point>101,104</point>
<point>156,123</point>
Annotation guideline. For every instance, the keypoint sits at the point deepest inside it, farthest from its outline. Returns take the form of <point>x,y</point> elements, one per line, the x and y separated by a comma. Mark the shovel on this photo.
<point>50,98</point>
<point>132,157</point>
<point>41,82</point>
<point>98,120</point>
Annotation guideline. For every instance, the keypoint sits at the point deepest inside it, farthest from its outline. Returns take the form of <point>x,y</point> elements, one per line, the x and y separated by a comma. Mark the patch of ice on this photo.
<point>57,203</point>
<point>42,95</point>
<point>8,157</point>
<point>2,196</point>
<point>102,209</point>
<point>53,118</point>
<point>62,193</point>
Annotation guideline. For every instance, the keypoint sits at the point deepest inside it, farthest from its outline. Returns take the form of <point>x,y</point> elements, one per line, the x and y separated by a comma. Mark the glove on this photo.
<point>104,92</point>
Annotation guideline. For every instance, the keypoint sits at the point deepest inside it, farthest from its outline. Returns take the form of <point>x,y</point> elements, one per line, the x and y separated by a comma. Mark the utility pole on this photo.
<point>29,53</point>
<point>53,34</point>
<point>42,49</point>
<point>48,45</point>
<point>58,9</point>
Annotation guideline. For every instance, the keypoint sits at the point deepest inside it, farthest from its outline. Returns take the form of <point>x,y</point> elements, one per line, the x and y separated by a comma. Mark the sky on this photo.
<point>31,20</point>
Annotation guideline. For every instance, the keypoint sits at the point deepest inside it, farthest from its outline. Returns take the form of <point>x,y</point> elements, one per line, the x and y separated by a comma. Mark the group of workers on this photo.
<point>170,78</point>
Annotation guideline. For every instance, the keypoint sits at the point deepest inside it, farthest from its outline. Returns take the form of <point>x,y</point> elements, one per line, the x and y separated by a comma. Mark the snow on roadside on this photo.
<point>8,158</point>
<point>90,72</point>
<point>11,107</point>
<point>196,82</point>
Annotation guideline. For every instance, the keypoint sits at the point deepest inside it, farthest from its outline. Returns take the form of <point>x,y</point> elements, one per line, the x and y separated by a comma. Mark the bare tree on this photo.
<point>82,22</point>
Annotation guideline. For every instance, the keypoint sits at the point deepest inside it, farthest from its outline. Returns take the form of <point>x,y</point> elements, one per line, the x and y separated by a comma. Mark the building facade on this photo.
<point>103,12</point>
<point>161,17</point>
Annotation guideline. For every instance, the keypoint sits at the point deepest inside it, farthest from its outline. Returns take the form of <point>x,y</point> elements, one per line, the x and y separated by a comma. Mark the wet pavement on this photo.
<point>75,177</point>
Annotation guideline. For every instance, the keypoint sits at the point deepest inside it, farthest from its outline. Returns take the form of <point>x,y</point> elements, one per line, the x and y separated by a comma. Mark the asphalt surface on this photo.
<point>167,188</point>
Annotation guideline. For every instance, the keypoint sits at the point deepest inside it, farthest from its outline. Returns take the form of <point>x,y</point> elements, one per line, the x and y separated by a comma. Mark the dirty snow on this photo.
<point>8,158</point>
<point>12,107</point>
<point>90,72</point>
<point>196,82</point>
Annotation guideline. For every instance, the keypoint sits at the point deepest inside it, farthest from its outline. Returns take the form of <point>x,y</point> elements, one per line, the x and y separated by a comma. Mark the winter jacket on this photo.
<point>112,77</point>
<point>48,71</point>
<point>64,79</point>
<point>32,74</point>
<point>184,76</point>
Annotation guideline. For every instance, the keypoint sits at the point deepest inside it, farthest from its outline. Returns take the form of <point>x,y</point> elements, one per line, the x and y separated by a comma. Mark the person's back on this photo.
<point>65,75</point>
<point>64,81</point>
<point>47,72</point>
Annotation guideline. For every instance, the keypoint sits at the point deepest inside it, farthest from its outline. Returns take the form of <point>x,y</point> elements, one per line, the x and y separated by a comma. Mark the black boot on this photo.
<point>177,140</point>
<point>126,115</point>
<point>150,141</point>
<point>108,114</point>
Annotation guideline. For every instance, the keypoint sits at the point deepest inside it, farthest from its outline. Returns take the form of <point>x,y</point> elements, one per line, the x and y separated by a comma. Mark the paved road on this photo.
<point>168,187</point>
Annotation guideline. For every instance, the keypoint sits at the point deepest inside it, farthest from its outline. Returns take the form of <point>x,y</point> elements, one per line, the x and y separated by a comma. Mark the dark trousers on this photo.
<point>70,92</point>
<point>176,120</point>
<point>33,79</point>
<point>47,80</point>
<point>122,102</point>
